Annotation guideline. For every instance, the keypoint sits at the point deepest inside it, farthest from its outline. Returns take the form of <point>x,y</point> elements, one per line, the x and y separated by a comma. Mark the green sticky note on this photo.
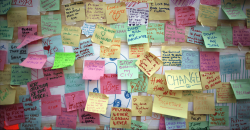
<point>241,88</point>
<point>5,6</point>
<point>233,11</point>
<point>127,69</point>
<point>202,125</point>
<point>137,34</point>
<point>20,75</point>
<point>6,33</point>
<point>3,23</point>
<point>63,60</point>
<point>156,32</point>
<point>220,117</point>
<point>138,85</point>
<point>51,24</point>
<point>121,30</point>
<point>227,35</point>
<point>213,39</point>
<point>49,5</point>
<point>137,125</point>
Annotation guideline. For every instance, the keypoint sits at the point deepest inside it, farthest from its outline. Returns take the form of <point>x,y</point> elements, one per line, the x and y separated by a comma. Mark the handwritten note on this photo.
<point>67,119</point>
<point>137,34</point>
<point>88,29</point>
<point>190,60</point>
<point>110,84</point>
<point>204,103</point>
<point>193,118</point>
<point>75,100</point>
<point>6,33</point>
<point>95,12</point>
<point>137,125</point>
<point>174,122</point>
<point>136,50</point>
<point>220,117</point>
<point>233,11</point>
<point>14,114</point>
<point>247,61</point>
<point>51,24</point>
<point>93,70</point>
<point>127,69</point>
<point>20,75</point>
<point>171,55</point>
<point>209,61</point>
<point>5,6</point>
<point>225,94</point>
<point>120,117</point>
<point>34,61</point>
<point>5,75</point>
<point>51,105</point>
<point>138,17</point>
<point>33,121</point>
<point>239,124</point>
<point>174,33</point>
<point>54,76</point>
<point>211,2</point>
<point>138,85</point>
<point>208,15</point>
<point>142,105</point>
<point>88,117</point>
<point>29,106</point>
<point>230,64</point>
<point>114,51</point>
<point>241,35</point>
<point>7,95</point>
<point>199,125</point>
<point>17,17</point>
<point>189,94</point>
<point>212,39</point>
<point>3,55</point>
<point>27,30</point>
<point>70,35</point>
<point>243,108</point>
<point>156,32</point>
<point>159,8</point>
<point>162,125</point>
<point>248,17</point>
<point>241,88</point>
<point>227,35</point>
<point>49,5</point>
<point>29,39</point>
<point>116,13</point>
<point>210,80</point>
<point>195,34</point>
<point>185,16</point>
<point>74,82</point>
<point>75,11</point>
<point>97,103</point>
<point>85,49</point>
<point>121,30</point>
<point>51,45</point>
<point>63,60</point>
<point>16,55</point>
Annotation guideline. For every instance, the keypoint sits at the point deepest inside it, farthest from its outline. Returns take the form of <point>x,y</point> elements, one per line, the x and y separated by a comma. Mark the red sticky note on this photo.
<point>209,61</point>
<point>3,55</point>
<point>110,84</point>
<point>174,33</point>
<point>11,127</point>
<point>14,114</point>
<point>75,100</point>
<point>185,16</point>
<point>162,125</point>
<point>47,128</point>
<point>39,88</point>
<point>93,70</point>
<point>27,30</point>
<point>67,119</point>
<point>34,61</point>
<point>28,39</point>
<point>88,117</point>
<point>211,2</point>
<point>54,76</point>
<point>51,105</point>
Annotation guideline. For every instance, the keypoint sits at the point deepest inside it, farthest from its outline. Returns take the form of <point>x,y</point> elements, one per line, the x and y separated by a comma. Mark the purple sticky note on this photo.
<point>3,55</point>
<point>241,35</point>
<point>209,61</point>
<point>51,105</point>
<point>67,119</point>
<point>88,117</point>
<point>14,114</point>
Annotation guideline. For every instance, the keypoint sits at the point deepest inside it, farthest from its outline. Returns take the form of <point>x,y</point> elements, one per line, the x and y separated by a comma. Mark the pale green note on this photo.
<point>137,125</point>
<point>213,39</point>
<point>64,59</point>
<point>233,11</point>
<point>241,88</point>
<point>156,32</point>
<point>5,6</point>
<point>49,5</point>
<point>20,75</point>
<point>3,23</point>
<point>121,30</point>
<point>137,34</point>
<point>127,69</point>
<point>138,85</point>
<point>202,125</point>
<point>227,35</point>
<point>220,117</point>
<point>51,24</point>
<point>6,33</point>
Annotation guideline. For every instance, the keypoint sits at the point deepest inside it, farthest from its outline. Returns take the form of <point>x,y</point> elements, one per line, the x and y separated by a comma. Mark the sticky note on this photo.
<point>121,30</point>
<point>242,110</point>
<point>2,115</point>
<point>137,34</point>
<point>74,11</point>
<point>92,15</point>
<point>110,84</point>
<point>171,55</point>
<point>51,24</point>
<point>116,13</point>
<point>6,33</point>
<point>248,17</point>
<point>29,39</point>
<point>149,63</point>
<point>63,60</point>
<point>27,30</point>
<point>174,122</point>
<point>70,35</point>
<point>204,103</point>
<point>156,32</point>
<point>170,106</point>
<point>210,80</point>
<point>20,75</point>
<point>51,106</point>
<point>211,2</point>
<point>88,29</point>
<point>16,55</point>
<point>88,117</point>
<point>4,23</point>
<point>97,103</point>
<point>127,69</point>
<point>247,61</point>
<point>93,70</point>
<point>185,16</point>
<point>174,33</point>
<point>17,17</point>
<point>103,35</point>
<point>33,121</point>
<point>188,79</point>
<point>51,45</point>
<point>227,35</point>
<point>5,75</point>
<point>220,117</point>
<point>138,85</point>
<point>230,64</point>
<point>138,17</point>
<point>209,61</point>
<point>238,123</point>
<point>158,9</point>
<point>29,106</point>
<point>195,117</point>
<point>195,34</point>
<point>208,15</point>
<point>189,94</point>
<point>54,76</point>
<point>67,119</point>
<point>142,105</point>
<point>138,1</point>
<point>7,95</point>
<point>190,59</point>
<point>225,94</point>
<point>75,100</point>
<point>241,88</point>
<point>85,49</point>
<point>34,61</point>
<point>114,51</point>
<point>49,5</point>
<point>212,39</point>
<point>136,50</point>
<point>241,35</point>
<point>74,82</point>
<point>3,55</point>
<point>5,6</point>
<point>199,125</point>
<point>162,125</point>
<point>135,125</point>
<point>14,114</point>
<point>19,91</point>
<point>233,11</point>
<point>120,117</point>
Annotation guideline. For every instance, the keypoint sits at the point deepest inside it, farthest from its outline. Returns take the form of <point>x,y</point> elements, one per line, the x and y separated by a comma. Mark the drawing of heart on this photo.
<point>103,33</point>
<point>134,99</point>
<point>180,3</point>
<point>140,112</point>
<point>138,55</point>
<point>116,16</point>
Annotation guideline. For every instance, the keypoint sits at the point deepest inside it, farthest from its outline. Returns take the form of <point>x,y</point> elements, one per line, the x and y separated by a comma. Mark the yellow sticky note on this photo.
<point>225,94</point>
<point>17,17</point>
<point>248,17</point>
<point>189,94</point>
<point>208,15</point>
<point>63,60</point>
<point>188,79</point>
<point>247,58</point>
<point>114,51</point>
<point>5,75</point>
<point>170,106</point>
<point>103,35</point>
<point>136,50</point>
<point>19,91</point>
<point>157,85</point>
<point>171,55</point>
<point>210,80</point>
<point>159,10</point>
<point>75,11</point>
<point>204,103</point>
<point>96,12</point>
<point>97,103</point>
<point>70,35</point>
<point>195,118</point>
<point>120,117</point>
<point>7,95</point>
<point>142,105</point>
<point>116,13</point>
<point>149,63</point>
<point>138,1</point>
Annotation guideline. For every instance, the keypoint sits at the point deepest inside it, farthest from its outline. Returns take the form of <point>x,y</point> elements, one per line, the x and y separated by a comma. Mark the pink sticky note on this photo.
<point>28,39</point>
<point>88,117</point>
<point>2,116</point>
<point>211,2</point>
<point>93,70</point>
<point>39,88</point>
<point>241,35</point>
<point>185,16</point>
<point>75,100</point>
<point>14,114</point>
<point>54,76</point>
<point>34,61</point>
<point>174,33</point>
<point>162,125</point>
<point>110,84</point>
<point>51,105</point>
<point>209,61</point>
<point>67,119</point>
<point>3,55</point>
<point>27,30</point>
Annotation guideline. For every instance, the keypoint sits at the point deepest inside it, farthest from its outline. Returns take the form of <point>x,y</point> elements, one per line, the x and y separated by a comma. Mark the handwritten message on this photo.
<point>49,5</point>
<point>67,119</point>
<point>211,2</point>
<point>54,76</point>
<point>121,30</point>
<point>116,13</point>
<point>212,39</point>
<point>174,122</point>
<point>241,36</point>
<point>17,17</point>
<point>137,34</point>
<point>93,70</point>
<point>241,88</point>
<point>247,61</point>
<point>29,106</point>
<point>51,105</point>
<point>138,85</point>
<point>120,117</point>
<point>27,3</point>
<point>230,64</point>
<point>225,94</point>
<point>142,105</point>
<point>113,51</point>
<point>51,24</point>
<point>127,69</point>
<point>137,125</point>
<point>233,11</point>
<point>195,118</point>
<point>208,15</point>
<point>220,117</point>
<point>210,80</point>
<point>190,60</point>
<point>204,103</point>
<point>195,34</point>
<point>75,11</point>
<point>95,12</point>
<point>70,35</point>
<point>74,82</point>
<point>88,29</point>
<point>248,17</point>
<point>33,121</point>
<point>29,39</point>
<point>110,84</point>
<point>156,32</point>
<point>3,56</point>
<point>136,50</point>
<point>51,45</point>
<point>159,8</point>
<point>171,55</point>
<point>20,75</point>
<point>88,117</point>
<point>5,75</point>
<point>240,124</point>
<point>27,30</point>
<point>199,125</point>
<point>6,33</point>
<point>63,60</point>
<point>162,125</point>
<point>85,49</point>
<point>5,6</point>
<point>97,103</point>
<point>14,114</point>
<point>34,61</point>
<point>7,95</point>
<point>243,109</point>
<point>185,16</point>
<point>174,33</point>
<point>227,35</point>
<point>138,17</point>
<point>75,100</point>
<point>209,61</point>
<point>16,55</point>
<point>189,94</point>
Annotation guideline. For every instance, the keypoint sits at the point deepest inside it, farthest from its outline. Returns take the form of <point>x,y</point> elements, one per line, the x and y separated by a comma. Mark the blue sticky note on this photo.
<point>229,64</point>
<point>29,106</point>
<point>88,29</point>
<point>85,128</point>
<point>16,55</point>
<point>51,45</point>
<point>195,34</point>
<point>242,110</point>
<point>74,82</point>
<point>190,60</point>
<point>174,122</point>
<point>239,124</point>
<point>32,122</point>
<point>85,49</point>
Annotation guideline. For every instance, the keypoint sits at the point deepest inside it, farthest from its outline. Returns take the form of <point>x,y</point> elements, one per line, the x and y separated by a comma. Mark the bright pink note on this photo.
<point>162,125</point>
<point>54,76</point>
<point>241,36</point>
<point>93,70</point>
<point>88,117</point>
<point>110,84</point>
<point>75,100</point>
<point>3,55</point>
<point>28,39</point>
<point>209,61</point>
<point>67,119</point>
<point>211,2</point>
<point>27,30</point>
<point>51,105</point>
<point>14,114</point>
<point>185,16</point>
<point>174,33</point>
<point>34,61</point>
<point>39,88</point>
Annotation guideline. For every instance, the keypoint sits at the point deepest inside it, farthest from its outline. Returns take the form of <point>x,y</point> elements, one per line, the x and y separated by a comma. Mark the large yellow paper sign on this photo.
<point>170,106</point>
<point>159,10</point>
<point>97,103</point>
<point>208,15</point>
<point>114,51</point>
<point>17,17</point>
<point>188,79</point>
<point>74,11</point>
<point>136,50</point>
<point>142,105</point>
<point>96,12</point>
<point>116,13</point>
<point>5,75</point>
<point>204,103</point>
<point>120,117</point>
<point>70,35</point>
<point>7,95</point>
<point>210,80</point>
<point>225,94</point>
<point>149,63</point>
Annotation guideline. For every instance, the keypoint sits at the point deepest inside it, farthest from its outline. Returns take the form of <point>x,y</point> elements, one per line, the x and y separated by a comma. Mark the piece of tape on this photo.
<point>225,25</point>
<point>154,21</point>
<point>64,2</point>
<point>241,25</point>
<point>18,41</point>
<point>28,22</point>
<point>96,1</point>
<point>187,30</point>
<point>70,22</point>
<point>50,16</point>
<point>171,41</point>
<point>240,46</point>
<point>156,42</point>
